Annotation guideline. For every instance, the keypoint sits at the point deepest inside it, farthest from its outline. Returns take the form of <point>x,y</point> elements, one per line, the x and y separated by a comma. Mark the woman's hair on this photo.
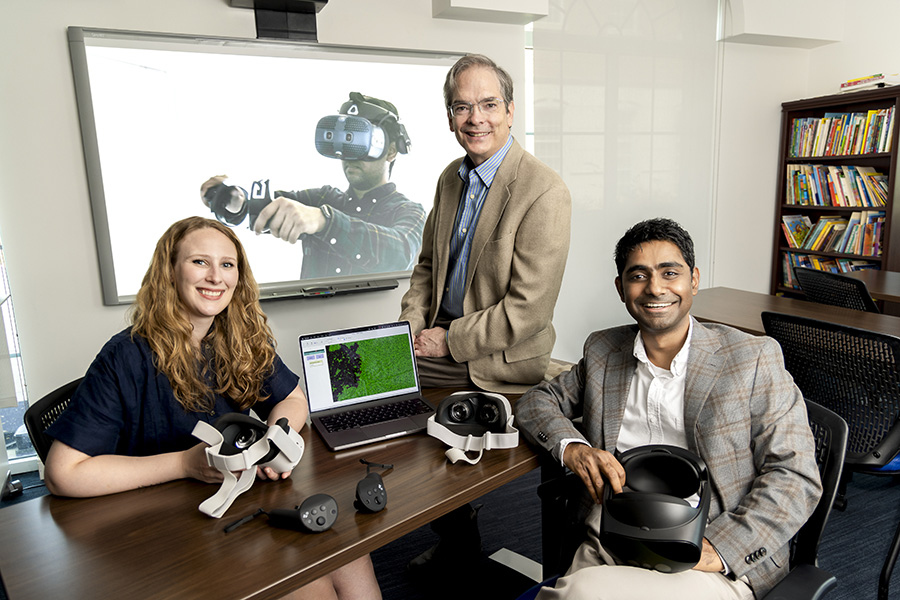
<point>236,355</point>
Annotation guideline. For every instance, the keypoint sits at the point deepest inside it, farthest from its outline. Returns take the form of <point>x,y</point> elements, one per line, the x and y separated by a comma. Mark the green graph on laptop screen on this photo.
<point>369,367</point>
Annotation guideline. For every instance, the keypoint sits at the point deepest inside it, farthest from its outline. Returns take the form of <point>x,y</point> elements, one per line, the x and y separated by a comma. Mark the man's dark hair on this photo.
<point>654,230</point>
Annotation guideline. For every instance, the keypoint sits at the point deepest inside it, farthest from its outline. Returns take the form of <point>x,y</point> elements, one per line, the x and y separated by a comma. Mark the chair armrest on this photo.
<point>804,582</point>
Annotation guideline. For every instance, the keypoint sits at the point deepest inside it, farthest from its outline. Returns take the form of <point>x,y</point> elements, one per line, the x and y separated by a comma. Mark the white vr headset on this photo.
<point>239,443</point>
<point>473,422</point>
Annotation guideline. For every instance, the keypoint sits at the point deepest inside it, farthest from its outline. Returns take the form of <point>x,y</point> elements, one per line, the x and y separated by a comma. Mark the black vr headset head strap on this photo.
<point>380,113</point>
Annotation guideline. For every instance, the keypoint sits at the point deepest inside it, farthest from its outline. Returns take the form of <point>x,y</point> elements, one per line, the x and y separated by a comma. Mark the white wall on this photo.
<point>755,81</point>
<point>45,218</point>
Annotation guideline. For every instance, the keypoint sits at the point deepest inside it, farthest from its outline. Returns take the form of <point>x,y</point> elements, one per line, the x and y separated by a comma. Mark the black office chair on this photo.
<point>835,289</point>
<point>562,506</point>
<point>41,415</point>
<point>854,373</point>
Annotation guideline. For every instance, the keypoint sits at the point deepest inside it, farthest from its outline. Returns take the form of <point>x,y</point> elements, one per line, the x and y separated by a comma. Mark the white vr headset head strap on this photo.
<point>290,445</point>
<point>460,444</point>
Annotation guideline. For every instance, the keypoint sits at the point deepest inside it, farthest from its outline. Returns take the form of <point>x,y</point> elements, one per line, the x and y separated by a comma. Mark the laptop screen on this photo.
<point>350,366</point>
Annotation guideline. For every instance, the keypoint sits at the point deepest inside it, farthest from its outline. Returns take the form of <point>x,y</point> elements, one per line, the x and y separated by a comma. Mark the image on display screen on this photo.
<point>369,367</point>
<point>323,159</point>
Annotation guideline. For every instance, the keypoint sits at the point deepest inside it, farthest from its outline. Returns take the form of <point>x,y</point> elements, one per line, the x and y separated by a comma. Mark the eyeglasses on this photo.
<point>488,106</point>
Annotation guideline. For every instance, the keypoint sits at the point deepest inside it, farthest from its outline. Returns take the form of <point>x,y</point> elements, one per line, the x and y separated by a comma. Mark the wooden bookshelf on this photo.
<point>836,159</point>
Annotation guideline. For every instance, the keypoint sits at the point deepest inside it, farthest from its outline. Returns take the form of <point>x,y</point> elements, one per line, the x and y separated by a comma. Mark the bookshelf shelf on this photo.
<point>844,158</point>
<point>850,187</point>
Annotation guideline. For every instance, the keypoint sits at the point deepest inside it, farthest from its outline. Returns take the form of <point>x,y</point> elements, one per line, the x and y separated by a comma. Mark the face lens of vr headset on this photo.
<point>245,438</point>
<point>461,411</point>
<point>348,137</point>
<point>238,436</point>
<point>488,414</point>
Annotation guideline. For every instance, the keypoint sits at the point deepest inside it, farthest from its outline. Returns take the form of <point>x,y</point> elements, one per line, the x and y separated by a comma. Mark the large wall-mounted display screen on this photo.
<point>161,114</point>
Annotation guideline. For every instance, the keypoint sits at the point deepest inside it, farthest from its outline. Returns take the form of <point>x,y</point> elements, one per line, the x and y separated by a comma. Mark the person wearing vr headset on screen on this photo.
<point>717,392</point>
<point>370,227</point>
<point>199,348</point>
<point>481,297</point>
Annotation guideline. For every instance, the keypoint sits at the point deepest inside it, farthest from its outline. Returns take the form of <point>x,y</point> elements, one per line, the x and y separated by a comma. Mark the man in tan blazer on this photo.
<point>494,248</point>
<point>716,391</point>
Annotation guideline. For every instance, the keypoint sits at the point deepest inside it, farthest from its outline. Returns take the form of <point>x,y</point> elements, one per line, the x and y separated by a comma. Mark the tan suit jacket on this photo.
<point>743,416</point>
<point>514,273</point>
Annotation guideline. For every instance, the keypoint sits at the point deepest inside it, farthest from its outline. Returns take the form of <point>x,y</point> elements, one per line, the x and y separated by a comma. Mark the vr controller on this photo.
<point>222,198</point>
<point>320,511</point>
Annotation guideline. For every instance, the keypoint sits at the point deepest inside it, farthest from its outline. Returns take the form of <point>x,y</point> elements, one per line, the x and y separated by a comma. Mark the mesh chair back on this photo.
<point>830,433</point>
<point>835,289</point>
<point>44,412</point>
<point>851,371</point>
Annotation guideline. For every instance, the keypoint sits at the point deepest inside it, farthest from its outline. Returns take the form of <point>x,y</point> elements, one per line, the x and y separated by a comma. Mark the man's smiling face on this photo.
<point>658,288</point>
<point>481,135</point>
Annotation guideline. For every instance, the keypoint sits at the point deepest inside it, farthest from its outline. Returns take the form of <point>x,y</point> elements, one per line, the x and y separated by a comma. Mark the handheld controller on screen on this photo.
<point>222,198</point>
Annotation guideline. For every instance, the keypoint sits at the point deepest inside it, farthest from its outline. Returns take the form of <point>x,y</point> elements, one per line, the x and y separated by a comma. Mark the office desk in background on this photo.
<point>155,543</point>
<point>742,310</point>
<point>882,285</point>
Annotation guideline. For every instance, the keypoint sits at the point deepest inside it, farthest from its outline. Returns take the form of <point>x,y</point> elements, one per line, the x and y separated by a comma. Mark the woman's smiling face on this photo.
<point>206,273</point>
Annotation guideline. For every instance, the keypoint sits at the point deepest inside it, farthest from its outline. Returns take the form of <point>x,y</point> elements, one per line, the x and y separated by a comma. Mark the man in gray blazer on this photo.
<point>721,393</point>
<point>494,249</point>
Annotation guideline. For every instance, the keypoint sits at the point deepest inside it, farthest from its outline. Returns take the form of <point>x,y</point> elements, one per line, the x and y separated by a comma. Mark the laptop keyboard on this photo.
<point>375,414</point>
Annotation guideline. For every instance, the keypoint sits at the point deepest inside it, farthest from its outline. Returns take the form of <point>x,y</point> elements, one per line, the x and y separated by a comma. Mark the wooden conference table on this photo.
<point>742,310</point>
<point>155,543</point>
<point>882,285</point>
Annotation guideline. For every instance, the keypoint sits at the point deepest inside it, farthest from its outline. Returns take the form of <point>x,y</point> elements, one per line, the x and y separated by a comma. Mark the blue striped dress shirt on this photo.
<point>477,183</point>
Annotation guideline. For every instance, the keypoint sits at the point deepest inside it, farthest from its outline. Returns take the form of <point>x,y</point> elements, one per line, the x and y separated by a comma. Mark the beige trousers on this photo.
<point>594,575</point>
<point>443,372</point>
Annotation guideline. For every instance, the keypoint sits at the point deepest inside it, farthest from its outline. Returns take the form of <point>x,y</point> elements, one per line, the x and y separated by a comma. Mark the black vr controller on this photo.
<point>315,515</point>
<point>371,496</point>
<point>320,511</point>
<point>221,196</point>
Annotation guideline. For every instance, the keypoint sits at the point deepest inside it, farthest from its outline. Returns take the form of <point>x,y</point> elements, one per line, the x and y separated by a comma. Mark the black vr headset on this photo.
<point>651,524</point>
<point>363,130</point>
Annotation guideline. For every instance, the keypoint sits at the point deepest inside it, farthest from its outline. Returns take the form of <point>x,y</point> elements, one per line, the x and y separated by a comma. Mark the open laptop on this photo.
<point>362,385</point>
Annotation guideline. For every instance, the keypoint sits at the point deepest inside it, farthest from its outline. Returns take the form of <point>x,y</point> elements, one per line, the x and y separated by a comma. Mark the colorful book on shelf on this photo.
<point>796,227</point>
<point>833,237</point>
<point>870,81</point>
<point>842,134</point>
<point>862,80</point>
<point>835,121</point>
<point>848,265</point>
<point>820,229</point>
<point>875,184</point>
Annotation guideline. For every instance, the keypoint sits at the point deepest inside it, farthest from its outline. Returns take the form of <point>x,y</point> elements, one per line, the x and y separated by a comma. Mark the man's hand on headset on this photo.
<point>595,467</point>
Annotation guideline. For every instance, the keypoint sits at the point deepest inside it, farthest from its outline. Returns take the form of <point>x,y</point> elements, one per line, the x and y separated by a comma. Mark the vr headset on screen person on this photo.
<point>363,130</point>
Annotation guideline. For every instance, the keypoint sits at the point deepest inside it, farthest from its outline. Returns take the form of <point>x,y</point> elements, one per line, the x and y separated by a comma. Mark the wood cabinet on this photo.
<point>805,190</point>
